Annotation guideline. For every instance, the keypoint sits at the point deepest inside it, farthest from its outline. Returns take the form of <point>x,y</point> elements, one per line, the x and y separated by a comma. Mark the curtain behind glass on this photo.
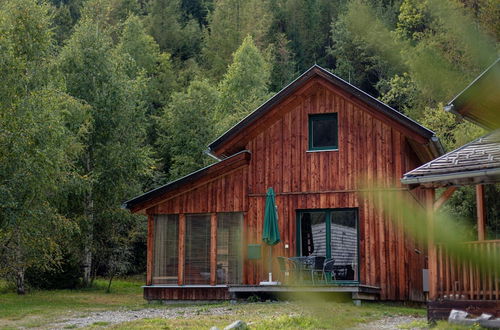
<point>165,258</point>
<point>229,248</point>
<point>197,259</point>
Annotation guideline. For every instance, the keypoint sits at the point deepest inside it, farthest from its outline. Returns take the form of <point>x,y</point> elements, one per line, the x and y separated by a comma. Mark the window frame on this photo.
<point>313,117</point>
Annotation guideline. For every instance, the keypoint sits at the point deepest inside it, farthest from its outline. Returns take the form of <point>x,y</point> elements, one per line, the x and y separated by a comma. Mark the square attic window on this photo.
<point>323,132</point>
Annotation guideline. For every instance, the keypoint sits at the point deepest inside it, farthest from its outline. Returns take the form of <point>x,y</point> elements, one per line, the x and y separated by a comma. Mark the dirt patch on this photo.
<point>396,322</point>
<point>120,316</point>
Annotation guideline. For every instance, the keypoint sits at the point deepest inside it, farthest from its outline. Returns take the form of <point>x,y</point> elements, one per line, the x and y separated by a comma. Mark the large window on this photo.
<point>332,234</point>
<point>197,249</point>
<point>229,248</point>
<point>165,258</point>
<point>323,133</point>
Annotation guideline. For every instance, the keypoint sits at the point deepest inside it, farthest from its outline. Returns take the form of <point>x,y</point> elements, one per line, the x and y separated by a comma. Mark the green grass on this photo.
<point>42,308</point>
<point>283,315</point>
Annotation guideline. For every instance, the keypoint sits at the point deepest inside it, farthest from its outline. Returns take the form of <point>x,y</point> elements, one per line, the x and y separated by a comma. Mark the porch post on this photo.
<point>149,255</point>
<point>213,248</point>
<point>181,249</point>
<point>431,247</point>
<point>481,213</point>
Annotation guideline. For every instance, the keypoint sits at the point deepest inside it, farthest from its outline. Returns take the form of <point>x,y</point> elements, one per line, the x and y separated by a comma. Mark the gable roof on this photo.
<point>475,162</point>
<point>480,101</point>
<point>317,71</point>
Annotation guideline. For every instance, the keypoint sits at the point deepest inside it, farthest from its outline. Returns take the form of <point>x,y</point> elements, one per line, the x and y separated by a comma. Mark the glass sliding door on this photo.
<point>331,233</point>
<point>313,233</point>
<point>165,249</point>
<point>229,248</point>
<point>344,244</point>
<point>197,249</point>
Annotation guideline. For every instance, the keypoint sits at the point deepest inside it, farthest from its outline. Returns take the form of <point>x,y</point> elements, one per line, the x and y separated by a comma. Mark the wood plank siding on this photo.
<point>368,147</point>
<point>371,147</point>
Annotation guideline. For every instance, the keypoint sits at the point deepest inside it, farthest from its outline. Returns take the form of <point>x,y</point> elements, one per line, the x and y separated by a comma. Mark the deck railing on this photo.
<point>462,280</point>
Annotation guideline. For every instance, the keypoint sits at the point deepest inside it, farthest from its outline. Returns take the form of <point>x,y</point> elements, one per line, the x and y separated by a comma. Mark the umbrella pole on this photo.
<point>270,263</point>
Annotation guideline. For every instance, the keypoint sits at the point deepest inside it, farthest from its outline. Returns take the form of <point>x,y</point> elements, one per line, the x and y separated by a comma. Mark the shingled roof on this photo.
<point>475,162</point>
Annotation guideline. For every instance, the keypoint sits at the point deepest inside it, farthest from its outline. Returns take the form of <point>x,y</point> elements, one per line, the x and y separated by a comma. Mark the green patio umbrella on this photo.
<point>270,233</point>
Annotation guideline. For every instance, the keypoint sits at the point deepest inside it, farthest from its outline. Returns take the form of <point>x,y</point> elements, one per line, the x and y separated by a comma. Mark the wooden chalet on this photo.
<point>452,284</point>
<point>313,142</point>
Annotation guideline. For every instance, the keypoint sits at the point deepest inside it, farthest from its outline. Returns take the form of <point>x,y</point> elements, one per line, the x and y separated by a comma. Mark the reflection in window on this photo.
<point>344,244</point>
<point>313,236</point>
<point>331,234</point>
<point>165,249</point>
<point>197,247</point>
<point>229,248</point>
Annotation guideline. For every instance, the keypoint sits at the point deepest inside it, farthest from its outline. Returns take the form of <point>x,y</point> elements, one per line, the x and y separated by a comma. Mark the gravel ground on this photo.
<point>119,316</point>
<point>393,322</point>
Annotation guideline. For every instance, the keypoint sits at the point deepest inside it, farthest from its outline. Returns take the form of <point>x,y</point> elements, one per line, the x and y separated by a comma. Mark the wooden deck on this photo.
<point>223,292</point>
<point>358,292</point>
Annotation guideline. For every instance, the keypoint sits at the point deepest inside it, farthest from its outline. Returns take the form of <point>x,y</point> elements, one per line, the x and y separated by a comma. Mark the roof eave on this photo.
<point>447,177</point>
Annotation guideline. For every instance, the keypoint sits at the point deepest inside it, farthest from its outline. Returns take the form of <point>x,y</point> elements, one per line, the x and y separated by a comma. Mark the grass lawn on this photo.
<point>41,308</point>
<point>37,308</point>
<point>282,315</point>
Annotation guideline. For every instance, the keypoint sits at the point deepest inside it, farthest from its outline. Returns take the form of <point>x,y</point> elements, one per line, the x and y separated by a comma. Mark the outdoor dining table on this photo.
<point>308,264</point>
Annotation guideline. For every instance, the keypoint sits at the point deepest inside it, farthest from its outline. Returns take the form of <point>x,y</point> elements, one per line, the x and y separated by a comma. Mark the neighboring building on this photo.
<point>461,285</point>
<point>317,142</point>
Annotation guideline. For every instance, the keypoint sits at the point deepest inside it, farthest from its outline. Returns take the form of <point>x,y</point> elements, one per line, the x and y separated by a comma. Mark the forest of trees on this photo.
<point>101,100</point>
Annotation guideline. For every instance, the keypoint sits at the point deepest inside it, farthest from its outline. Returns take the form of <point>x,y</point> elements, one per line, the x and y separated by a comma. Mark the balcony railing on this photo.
<point>462,280</point>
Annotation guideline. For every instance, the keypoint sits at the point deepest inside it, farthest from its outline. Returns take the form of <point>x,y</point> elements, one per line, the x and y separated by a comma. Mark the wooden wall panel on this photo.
<point>369,150</point>
<point>227,193</point>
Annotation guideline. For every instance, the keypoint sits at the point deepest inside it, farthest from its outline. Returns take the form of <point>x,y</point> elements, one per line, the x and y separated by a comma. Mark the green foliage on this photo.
<point>182,39</point>
<point>306,24</point>
<point>148,60</point>
<point>229,23</point>
<point>244,86</point>
<point>116,159</point>
<point>401,93</point>
<point>186,126</point>
<point>283,63</point>
<point>414,19</point>
<point>38,142</point>
<point>92,89</point>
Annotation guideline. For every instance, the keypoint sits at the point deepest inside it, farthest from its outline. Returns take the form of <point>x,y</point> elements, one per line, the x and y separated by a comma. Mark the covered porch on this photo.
<point>457,282</point>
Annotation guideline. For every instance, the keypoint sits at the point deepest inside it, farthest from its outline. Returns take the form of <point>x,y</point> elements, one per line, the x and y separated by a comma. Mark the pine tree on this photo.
<point>229,23</point>
<point>244,86</point>
<point>164,22</point>
<point>282,61</point>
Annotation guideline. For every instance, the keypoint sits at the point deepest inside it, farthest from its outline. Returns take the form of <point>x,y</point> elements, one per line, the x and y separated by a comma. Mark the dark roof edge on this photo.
<point>450,176</point>
<point>165,188</point>
<point>317,70</point>
<point>450,106</point>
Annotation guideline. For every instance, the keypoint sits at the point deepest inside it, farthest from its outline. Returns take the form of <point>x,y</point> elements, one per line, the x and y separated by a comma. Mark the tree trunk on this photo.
<point>20,282</point>
<point>94,275</point>
<point>87,250</point>
<point>19,268</point>
<point>108,290</point>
